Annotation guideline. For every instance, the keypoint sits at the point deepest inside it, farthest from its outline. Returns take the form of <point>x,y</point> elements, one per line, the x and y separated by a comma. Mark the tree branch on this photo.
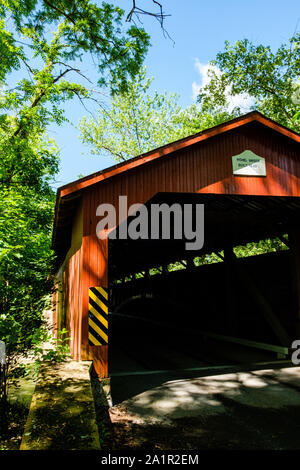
<point>273,93</point>
<point>61,12</point>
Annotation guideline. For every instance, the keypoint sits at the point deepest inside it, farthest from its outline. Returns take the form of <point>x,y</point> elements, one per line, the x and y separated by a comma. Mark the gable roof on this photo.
<point>67,195</point>
<point>173,146</point>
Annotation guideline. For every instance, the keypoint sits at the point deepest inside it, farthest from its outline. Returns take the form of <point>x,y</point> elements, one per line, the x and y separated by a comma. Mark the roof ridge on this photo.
<point>173,146</point>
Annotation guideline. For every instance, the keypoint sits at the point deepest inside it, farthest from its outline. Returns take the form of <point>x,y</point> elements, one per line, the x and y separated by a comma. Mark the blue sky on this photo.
<point>199,29</point>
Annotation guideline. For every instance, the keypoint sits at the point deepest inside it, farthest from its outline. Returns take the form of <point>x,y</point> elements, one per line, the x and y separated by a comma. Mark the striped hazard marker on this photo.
<point>98,316</point>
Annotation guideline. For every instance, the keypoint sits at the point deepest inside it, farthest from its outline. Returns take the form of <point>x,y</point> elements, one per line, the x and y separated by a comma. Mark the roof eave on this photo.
<point>174,146</point>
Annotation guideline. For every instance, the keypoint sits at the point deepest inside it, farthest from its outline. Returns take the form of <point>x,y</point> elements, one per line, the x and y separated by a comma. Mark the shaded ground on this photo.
<point>244,410</point>
<point>10,439</point>
<point>16,411</point>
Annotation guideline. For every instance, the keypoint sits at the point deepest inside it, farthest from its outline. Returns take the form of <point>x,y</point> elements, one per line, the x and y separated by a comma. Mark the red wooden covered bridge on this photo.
<point>246,173</point>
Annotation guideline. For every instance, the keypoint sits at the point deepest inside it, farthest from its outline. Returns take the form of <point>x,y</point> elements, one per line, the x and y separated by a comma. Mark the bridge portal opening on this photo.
<point>234,301</point>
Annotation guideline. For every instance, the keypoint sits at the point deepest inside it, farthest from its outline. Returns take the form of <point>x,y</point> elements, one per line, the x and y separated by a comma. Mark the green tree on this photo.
<point>270,78</point>
<point>42,44</point>
<point>137,121</point>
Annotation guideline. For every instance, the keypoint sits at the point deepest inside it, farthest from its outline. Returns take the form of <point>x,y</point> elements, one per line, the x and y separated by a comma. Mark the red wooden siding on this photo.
<point>68,296</point>
<point>204,167</point>
<point>235,124</point>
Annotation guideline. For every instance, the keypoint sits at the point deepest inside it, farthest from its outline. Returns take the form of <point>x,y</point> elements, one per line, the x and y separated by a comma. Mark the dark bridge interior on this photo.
<point>213,315</point>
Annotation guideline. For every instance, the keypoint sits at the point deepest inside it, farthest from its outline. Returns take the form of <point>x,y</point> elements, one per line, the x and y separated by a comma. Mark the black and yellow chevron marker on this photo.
<point>98,316</point>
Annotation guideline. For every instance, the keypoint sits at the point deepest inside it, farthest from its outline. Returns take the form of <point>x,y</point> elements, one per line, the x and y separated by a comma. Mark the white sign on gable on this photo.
<point>248,164</point>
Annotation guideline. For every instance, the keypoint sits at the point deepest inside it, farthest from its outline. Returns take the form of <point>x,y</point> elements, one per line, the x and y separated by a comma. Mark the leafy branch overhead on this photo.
<point>48,63</point>
<point>79,28</point>
<point>137,121</point>
<point>271,79</point>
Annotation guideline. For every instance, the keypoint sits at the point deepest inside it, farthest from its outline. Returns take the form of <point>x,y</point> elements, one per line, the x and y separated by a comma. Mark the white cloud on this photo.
<point>243,100</point>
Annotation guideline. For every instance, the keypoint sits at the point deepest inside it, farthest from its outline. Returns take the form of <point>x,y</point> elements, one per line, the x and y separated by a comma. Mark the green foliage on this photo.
<point>58,350</point>
<point>25,260</point>
<point>134,123</point>
<point>138,121</point>
<point>209,258</point>
<point>270,78</point>
<point>42,44</point>
<point>269,245</point>
<point>78,28</point>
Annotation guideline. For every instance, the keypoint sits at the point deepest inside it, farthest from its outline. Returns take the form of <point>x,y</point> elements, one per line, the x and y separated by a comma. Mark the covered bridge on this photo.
<point>246,173</point>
